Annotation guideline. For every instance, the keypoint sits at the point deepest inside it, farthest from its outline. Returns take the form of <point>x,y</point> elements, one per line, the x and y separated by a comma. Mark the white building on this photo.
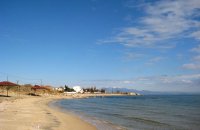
<point>78,89</point>
<point>60,89</point>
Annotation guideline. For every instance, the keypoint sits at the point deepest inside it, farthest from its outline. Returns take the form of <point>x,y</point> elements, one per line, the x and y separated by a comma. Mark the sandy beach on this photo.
<point>33,113</point>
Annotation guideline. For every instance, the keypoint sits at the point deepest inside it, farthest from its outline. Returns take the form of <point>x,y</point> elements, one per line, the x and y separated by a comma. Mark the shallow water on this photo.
<point>167,112</point>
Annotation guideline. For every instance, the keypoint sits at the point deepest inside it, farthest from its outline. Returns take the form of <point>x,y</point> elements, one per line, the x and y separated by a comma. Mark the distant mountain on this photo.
<point>142,92</point>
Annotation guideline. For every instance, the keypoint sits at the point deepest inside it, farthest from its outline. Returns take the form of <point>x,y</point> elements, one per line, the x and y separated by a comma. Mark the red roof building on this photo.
<point>7,83</point>
<point>39,87</point>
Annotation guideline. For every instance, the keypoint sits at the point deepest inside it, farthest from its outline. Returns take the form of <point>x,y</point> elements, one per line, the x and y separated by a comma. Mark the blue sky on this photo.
<point>145,45</point>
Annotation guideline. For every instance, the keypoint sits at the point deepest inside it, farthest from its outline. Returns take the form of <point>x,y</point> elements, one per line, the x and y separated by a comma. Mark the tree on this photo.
<point>67,89</point>
<point>103,90</point>
<point>7,89</point>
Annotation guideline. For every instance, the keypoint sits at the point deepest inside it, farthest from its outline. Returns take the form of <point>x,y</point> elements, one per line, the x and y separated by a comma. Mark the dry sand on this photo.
<point>33,113</point>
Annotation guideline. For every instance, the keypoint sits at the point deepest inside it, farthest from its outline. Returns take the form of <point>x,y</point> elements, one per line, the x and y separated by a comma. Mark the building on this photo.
<point>78,89</point>
<point>60,89</point>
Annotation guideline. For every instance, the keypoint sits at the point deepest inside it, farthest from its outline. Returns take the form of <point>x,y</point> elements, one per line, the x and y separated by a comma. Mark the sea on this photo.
<point>147,112</point>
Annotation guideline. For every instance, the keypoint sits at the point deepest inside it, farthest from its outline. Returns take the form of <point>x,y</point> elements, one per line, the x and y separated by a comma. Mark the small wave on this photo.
<point>101,124</point>
<point>111,114</point>
<point>147,121</point>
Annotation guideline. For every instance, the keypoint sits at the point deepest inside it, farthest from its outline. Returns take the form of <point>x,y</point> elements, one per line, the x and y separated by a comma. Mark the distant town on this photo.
<point>7,87</point>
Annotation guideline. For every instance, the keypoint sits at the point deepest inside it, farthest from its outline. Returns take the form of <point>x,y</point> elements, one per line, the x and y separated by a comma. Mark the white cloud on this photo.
<point>196,35</point>
<point>182,83</point>
<point>132,56</point>
<point>192,66</point>
<point>196,49</point>
<point>195,64</point>
<point>156,59</point>
<point>164,20</point>
<point>196,58</point>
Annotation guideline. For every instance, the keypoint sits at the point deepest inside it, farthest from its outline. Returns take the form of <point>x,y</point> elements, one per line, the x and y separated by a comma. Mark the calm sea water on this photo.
<point>174,112</point>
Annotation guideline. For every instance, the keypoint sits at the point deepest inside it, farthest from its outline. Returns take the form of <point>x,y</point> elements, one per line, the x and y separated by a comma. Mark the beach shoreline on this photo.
<point>35,113</point>
<point>99,123</point>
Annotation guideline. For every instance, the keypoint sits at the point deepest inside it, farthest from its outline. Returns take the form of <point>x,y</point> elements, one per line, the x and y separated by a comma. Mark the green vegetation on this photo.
<point>93,90</point>
<point>68,89</point>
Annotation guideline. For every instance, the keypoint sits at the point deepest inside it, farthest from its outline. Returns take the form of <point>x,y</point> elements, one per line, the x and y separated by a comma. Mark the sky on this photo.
<point>136,44</point>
